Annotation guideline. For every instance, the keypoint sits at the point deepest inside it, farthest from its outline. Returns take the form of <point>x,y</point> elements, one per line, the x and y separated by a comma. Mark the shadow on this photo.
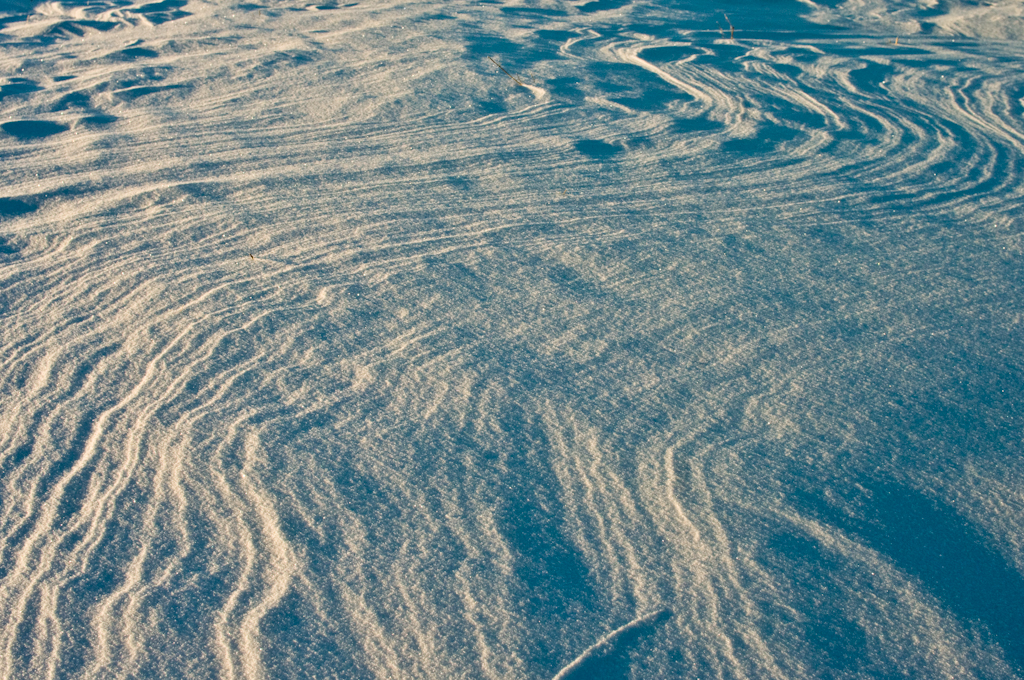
<point>533,11</point>
<point>98,121</point>
<point>934,544</point>
<point>133,93</point>
<point>654,99</point>
<point>133,53</point>
<point>491,45</point>
<point>12,207</point>
<point>73,100</point>
<point>565,87</point>
<point>154,13</point>
<point>76,29</point>
<point>603,5</point>
<point>686,125</point>
<point>837,645</point>
<point>162,12</point>
<point>293,642</point>
<point>769,137</point>
<point>18,5</point>
<point>8,248</point>
<point>552,576</point>
<point>33,129</point>
<point>571,282</point>
<point>557,36</point>
<point>596,149</point>
<point>18,86</point>
<point>669,54</point>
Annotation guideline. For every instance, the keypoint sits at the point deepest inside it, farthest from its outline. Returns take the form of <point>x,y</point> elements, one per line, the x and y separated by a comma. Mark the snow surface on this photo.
<point>690,346</point>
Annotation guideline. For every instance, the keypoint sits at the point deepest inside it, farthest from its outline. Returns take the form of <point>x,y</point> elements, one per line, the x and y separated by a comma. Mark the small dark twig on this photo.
<point>506,72</point>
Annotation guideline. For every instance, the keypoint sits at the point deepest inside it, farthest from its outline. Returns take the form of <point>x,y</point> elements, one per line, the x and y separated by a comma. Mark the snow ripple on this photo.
<point>330,350</point>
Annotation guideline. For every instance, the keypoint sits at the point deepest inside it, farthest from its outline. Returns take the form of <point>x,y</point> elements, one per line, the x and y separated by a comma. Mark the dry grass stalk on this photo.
<point>506,72</point>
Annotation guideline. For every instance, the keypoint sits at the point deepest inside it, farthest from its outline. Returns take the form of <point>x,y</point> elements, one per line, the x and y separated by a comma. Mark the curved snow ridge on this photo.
<point>611,643</point>
<point>48,22</point>
<point>993,20</point>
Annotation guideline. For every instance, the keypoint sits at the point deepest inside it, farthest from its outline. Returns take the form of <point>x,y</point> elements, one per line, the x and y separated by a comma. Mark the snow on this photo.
<point>521,339</point>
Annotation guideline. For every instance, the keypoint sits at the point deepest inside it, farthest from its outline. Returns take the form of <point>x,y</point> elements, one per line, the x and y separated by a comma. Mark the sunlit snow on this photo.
<point>506,340</point>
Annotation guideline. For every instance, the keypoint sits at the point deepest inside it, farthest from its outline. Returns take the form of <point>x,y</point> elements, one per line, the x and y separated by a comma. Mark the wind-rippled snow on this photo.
<point>330,350</point>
